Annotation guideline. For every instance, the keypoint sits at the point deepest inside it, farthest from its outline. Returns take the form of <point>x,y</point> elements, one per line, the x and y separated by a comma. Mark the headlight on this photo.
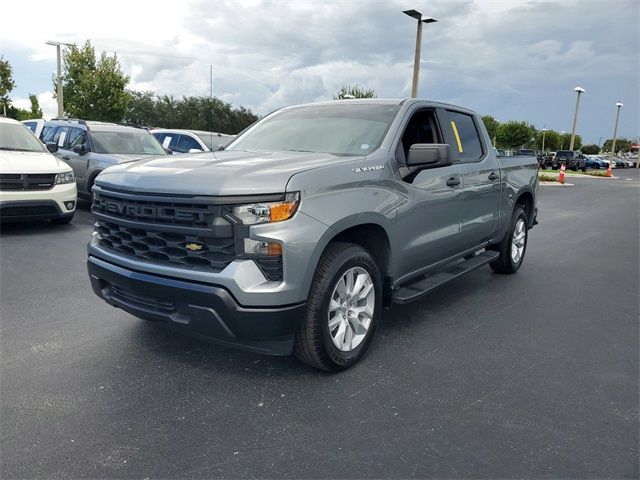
<point>268,212</point>
<point>65,177</point>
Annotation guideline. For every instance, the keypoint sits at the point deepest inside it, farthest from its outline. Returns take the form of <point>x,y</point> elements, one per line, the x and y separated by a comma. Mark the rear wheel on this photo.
<point>514,245</point>
<point>343,311</point>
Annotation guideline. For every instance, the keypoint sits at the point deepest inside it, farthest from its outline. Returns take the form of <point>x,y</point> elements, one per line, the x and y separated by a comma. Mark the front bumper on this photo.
<point>38,204</point>
<point>203,310</point>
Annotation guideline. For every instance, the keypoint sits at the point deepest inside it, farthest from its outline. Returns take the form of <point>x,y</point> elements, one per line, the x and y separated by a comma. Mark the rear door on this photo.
<point>480,176</point>
<point>429,220</point>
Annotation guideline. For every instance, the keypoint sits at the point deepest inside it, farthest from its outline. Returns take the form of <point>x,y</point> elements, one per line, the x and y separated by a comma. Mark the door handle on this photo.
<point>452,182</point>
<point>493,176</point>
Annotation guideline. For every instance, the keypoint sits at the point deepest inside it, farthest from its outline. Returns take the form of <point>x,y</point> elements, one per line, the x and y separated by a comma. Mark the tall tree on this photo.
<point>6,83</point>
<point>590,149</point>
<point>622,145</point>
<point>195,113</point>
<point>93,88</point>
<point>515,134</point>
<point>36,111</point>
<point>348,91</point>
<point>491,124</point>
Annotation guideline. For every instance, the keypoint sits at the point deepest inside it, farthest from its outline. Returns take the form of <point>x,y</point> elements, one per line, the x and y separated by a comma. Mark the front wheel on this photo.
<point>343,310</point>
<point>514,245</point>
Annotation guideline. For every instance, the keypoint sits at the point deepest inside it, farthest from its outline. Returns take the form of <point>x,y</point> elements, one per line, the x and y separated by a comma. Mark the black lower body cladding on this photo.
<point>207,311</point>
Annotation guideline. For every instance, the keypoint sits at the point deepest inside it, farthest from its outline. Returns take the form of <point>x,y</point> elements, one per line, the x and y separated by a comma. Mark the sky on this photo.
<point>514,60</point>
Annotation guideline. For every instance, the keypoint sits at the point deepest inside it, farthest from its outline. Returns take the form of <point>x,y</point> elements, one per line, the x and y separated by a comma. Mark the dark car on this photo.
<point>572,159</point>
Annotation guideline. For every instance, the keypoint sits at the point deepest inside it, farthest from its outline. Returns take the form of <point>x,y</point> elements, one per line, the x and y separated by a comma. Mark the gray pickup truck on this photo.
<point>310,223</point>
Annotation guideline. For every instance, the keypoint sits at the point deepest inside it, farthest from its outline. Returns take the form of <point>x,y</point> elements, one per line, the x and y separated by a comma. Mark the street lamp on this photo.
<point>562,134</point>
<point>578,90</point>
<point>615,130</point>
<point>544,132</point>
<point>416,64</point>
<point>59,75</point>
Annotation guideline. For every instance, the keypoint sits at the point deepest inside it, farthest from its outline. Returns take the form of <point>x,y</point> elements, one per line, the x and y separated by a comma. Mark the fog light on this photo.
<point>69,205</point>
<point>257,247</point>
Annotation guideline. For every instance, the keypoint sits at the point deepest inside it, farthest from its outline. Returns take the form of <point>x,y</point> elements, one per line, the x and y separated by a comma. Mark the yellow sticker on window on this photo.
<point>455,132</point>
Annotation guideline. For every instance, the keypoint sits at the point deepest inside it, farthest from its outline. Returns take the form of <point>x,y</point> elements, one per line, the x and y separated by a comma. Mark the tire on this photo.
<point>63,220</point>
<point>316,342</point>
<point>507,262</point>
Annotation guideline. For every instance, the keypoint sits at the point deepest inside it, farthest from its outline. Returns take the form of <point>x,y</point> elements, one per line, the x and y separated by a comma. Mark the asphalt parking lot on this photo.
<point>531,375</point>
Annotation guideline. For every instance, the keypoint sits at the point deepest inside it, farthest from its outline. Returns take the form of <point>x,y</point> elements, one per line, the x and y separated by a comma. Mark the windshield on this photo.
<point>19,138</point>
<point>346,129</point>
<point>213,141</point>
<point>139,143</point>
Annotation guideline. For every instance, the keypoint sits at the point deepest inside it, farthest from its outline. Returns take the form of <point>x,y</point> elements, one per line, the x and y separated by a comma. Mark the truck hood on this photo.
<point>216,173</point>
<point>30,162</point>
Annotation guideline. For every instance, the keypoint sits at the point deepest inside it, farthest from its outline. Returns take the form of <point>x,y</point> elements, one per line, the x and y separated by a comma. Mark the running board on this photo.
<point>423,285</point>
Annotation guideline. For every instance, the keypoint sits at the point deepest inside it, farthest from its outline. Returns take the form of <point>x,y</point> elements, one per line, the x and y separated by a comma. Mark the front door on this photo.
<point>429,220</point>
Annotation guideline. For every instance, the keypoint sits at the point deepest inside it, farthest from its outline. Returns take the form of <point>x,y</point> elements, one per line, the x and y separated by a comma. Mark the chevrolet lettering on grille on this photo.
<point>108,205</point>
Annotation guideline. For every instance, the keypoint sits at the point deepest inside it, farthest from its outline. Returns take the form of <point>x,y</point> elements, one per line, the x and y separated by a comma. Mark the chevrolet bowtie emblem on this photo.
<point>193,247</point>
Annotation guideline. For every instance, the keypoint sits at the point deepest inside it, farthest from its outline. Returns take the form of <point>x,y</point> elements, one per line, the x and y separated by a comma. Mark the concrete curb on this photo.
<point>573,175</point>
<point>556,184</point>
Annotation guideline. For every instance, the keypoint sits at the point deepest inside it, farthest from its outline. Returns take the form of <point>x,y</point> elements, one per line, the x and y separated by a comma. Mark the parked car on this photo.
<point>297,235</point>
<point>34,184</point>
<point>35,125</point>
<point>573,160</point>
<point>190,141</point>
<point>90,147</point>
<point>592,161</point>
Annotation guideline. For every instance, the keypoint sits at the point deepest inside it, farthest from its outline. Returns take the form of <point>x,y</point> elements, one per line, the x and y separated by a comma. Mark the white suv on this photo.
<point>34,185</point>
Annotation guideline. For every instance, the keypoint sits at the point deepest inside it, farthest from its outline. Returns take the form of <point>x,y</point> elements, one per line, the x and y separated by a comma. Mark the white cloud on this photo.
<point>516,60</point>
<point>48,104</point>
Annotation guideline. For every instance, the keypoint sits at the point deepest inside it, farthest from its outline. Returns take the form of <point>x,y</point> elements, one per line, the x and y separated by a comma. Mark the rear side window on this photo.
<point>47,133</point>
<point>187,143</point>
<point>466,137</point>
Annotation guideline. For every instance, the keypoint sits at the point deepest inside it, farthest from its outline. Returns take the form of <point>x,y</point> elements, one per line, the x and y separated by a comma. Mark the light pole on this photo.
<point>544,132</point>
<point>416,63</point>
<point>578,90</point>
<point>615,130</point>
<point>562,134</point>
<point>59,75</point>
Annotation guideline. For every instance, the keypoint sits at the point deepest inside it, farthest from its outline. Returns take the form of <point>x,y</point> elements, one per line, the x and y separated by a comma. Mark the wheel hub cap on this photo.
<point>351,309</point>
<point>518,240</point>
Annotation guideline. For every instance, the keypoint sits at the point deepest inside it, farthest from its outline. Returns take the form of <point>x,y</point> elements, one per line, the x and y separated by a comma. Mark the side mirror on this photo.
<point>169,152</point>
<point>52,147</point>
<point>429,155</point>
<point>425,155</point>
<point>80,149</point>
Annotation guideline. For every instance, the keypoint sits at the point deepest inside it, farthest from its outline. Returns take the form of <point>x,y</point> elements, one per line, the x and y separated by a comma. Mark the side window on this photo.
<point>31,125</point>
<point>47,133</point>
<point>159,136</point>
<point>60,136</point>
<point>422,128</point>
<point>76,137</point>
<point>186,143</point>
<point>466,137</point>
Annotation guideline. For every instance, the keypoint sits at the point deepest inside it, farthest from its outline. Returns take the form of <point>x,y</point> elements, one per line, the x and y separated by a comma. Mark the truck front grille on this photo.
<point>169,248</point>
<point>187,232</point>
<point>27,181</point>
<point>173,231</point>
